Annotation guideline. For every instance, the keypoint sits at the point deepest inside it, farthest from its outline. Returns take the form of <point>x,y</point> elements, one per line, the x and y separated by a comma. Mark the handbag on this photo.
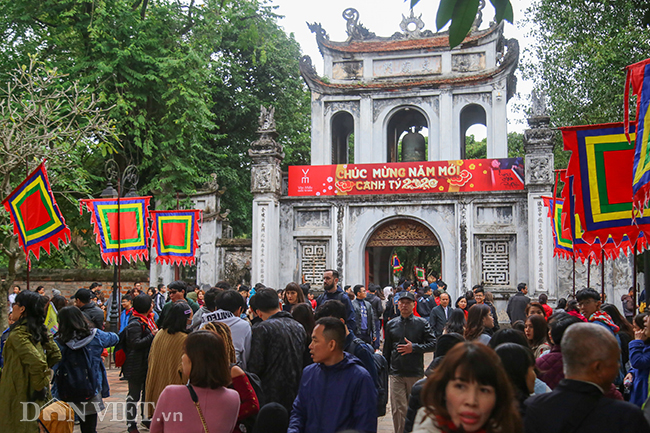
<point>195,399</point>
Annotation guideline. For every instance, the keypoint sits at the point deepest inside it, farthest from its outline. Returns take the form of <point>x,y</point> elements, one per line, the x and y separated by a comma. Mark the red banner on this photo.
<point>467,175</point>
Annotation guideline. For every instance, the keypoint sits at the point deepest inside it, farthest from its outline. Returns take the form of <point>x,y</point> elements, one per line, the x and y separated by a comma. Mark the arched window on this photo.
<point>470,115</point>
<point>407,136</point>
<point>342,138</point>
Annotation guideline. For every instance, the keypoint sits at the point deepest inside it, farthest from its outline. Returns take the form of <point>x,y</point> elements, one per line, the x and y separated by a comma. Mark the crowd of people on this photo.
<point>239,359</point>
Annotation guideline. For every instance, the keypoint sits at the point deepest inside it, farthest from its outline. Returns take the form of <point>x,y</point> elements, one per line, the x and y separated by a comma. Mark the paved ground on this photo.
<point>113,419</point>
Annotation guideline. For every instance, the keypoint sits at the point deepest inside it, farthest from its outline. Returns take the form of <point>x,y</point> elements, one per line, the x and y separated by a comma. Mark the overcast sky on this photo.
<point>383,18</point>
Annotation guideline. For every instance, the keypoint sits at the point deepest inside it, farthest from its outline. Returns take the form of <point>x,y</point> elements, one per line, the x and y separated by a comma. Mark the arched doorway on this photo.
<point>414,241</point>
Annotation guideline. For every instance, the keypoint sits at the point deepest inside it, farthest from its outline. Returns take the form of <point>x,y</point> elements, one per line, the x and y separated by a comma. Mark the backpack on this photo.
<point>119,351</point>
<point>246,425</point>
<point>382,376</point>
<point>74,377</point>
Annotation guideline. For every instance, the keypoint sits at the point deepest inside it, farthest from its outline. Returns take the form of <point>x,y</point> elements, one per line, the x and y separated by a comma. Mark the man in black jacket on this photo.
<point>83,301</point>
<point>590,355</point>
<point>407,339</point>
<point>139,336</point>
<point>364,316</point>
<point>440,315</point>
<point>517,304</point>
<point>333,291</point>
<point>277,349</point>
<point>378,308</point>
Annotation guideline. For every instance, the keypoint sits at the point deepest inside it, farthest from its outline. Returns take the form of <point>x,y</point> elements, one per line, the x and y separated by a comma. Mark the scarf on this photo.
<point>147,320</point>
<point>446,425</point>
<point>601,316</point>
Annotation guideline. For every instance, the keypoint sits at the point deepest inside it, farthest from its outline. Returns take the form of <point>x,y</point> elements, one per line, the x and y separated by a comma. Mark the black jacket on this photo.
<point>375,301</point>
<point>277,349</point>
<point>138,342</point>
<point>94,314</point>
<point>517,307</point>
<point>583,406</point>
<point>438,320</point>
<point>425,305</point>
<point>418,331</point>
<point>370,314</point>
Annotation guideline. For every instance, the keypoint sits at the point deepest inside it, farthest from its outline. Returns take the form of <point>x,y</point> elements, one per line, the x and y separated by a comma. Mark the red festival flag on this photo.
<point>131,215</point>
<point>35,215</point>
<point>175,235</point>
<point>638,77</point>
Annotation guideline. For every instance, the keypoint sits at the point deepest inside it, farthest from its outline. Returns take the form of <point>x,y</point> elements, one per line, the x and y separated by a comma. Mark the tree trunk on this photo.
<point>7,284</point>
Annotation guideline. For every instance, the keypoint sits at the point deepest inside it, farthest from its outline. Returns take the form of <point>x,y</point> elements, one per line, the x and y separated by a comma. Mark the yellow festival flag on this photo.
<point>51,319</point>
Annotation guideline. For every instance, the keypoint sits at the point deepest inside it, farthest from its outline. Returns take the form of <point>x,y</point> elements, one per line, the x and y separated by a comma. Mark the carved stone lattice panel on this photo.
<point>313,261</point>
<point>495,262</point>
<point>402,233</point>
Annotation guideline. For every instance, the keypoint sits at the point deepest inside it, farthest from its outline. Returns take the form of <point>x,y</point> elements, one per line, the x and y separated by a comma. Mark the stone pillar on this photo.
<point>266,186</point>
<point>538,145</point>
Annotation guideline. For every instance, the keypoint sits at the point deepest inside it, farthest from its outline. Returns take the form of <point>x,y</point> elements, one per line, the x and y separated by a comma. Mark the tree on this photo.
<point>578,58</point>
<point>186,80</point>
<point>44,115</point>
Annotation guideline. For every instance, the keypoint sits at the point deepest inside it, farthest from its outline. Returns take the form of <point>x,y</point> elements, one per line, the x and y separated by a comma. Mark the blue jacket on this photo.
<point>124,319</point>
<point>335,398</point>
<point>640,361</point>
<point>96,342</point>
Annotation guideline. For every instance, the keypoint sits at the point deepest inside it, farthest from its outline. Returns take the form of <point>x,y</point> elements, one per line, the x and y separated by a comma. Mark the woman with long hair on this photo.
<point>536,330</point>
<point>205,404</point>
<point>519,363</point>
<point>461,303</point>
<point>535,308</point>
<point>456,323</point>
<point>479,320</point>
<point>248,399</point>
<point>470,392</point>
<point>166,350</point>
<point>29,352</point>
<point>75,334</point>
<point>293,295</point>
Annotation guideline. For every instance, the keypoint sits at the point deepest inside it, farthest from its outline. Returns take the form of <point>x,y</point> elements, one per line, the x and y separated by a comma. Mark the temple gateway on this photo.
<point>389,169</point>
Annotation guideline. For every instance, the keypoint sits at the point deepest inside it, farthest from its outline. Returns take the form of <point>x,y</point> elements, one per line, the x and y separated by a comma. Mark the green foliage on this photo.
<point>515,145</point>
<point>475,149</point>
<point>462,14</point>
<point>578,58</point>
<point>185,81</point>
<point>426,257</point>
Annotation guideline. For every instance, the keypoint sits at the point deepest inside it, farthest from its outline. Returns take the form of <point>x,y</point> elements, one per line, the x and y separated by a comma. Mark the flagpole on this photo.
<point>177,270</point>
<point>574,273</point>
<point>589,271</point>
<point>602,275</point>
<point>634,274</point>
<point>26,213</point>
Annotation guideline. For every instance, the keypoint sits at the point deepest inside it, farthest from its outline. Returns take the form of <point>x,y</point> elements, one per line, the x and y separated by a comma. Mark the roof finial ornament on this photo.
<point>266,120</point>
<point>412,26</point>
<point>354,29</point>
<point>479,16</point>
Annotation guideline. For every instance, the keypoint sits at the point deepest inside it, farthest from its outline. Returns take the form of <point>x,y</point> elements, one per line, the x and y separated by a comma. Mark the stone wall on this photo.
<point>68,281</point>
<point>236,256</point>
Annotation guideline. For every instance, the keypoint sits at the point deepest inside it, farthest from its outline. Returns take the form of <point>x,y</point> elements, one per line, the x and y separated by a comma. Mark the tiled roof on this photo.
<point>436,42</point>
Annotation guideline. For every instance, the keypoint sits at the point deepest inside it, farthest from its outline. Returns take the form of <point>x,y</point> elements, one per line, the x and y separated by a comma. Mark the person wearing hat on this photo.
<point>407,339</point>
<point>83,301</point>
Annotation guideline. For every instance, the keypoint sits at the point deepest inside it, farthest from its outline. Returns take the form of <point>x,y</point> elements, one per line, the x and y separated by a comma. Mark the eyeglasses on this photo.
<point>173,292</point>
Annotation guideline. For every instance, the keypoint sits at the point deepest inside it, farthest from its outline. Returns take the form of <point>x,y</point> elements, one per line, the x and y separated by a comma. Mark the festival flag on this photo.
<point>52,319</point>
<point>397,266</point>
<point>601,171</point>
<point>131,241</point>
<point>562,246</point>
<point>175,235</point>
<point>35,215</point>
<point>420,273</point>
<point>638,76</point>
